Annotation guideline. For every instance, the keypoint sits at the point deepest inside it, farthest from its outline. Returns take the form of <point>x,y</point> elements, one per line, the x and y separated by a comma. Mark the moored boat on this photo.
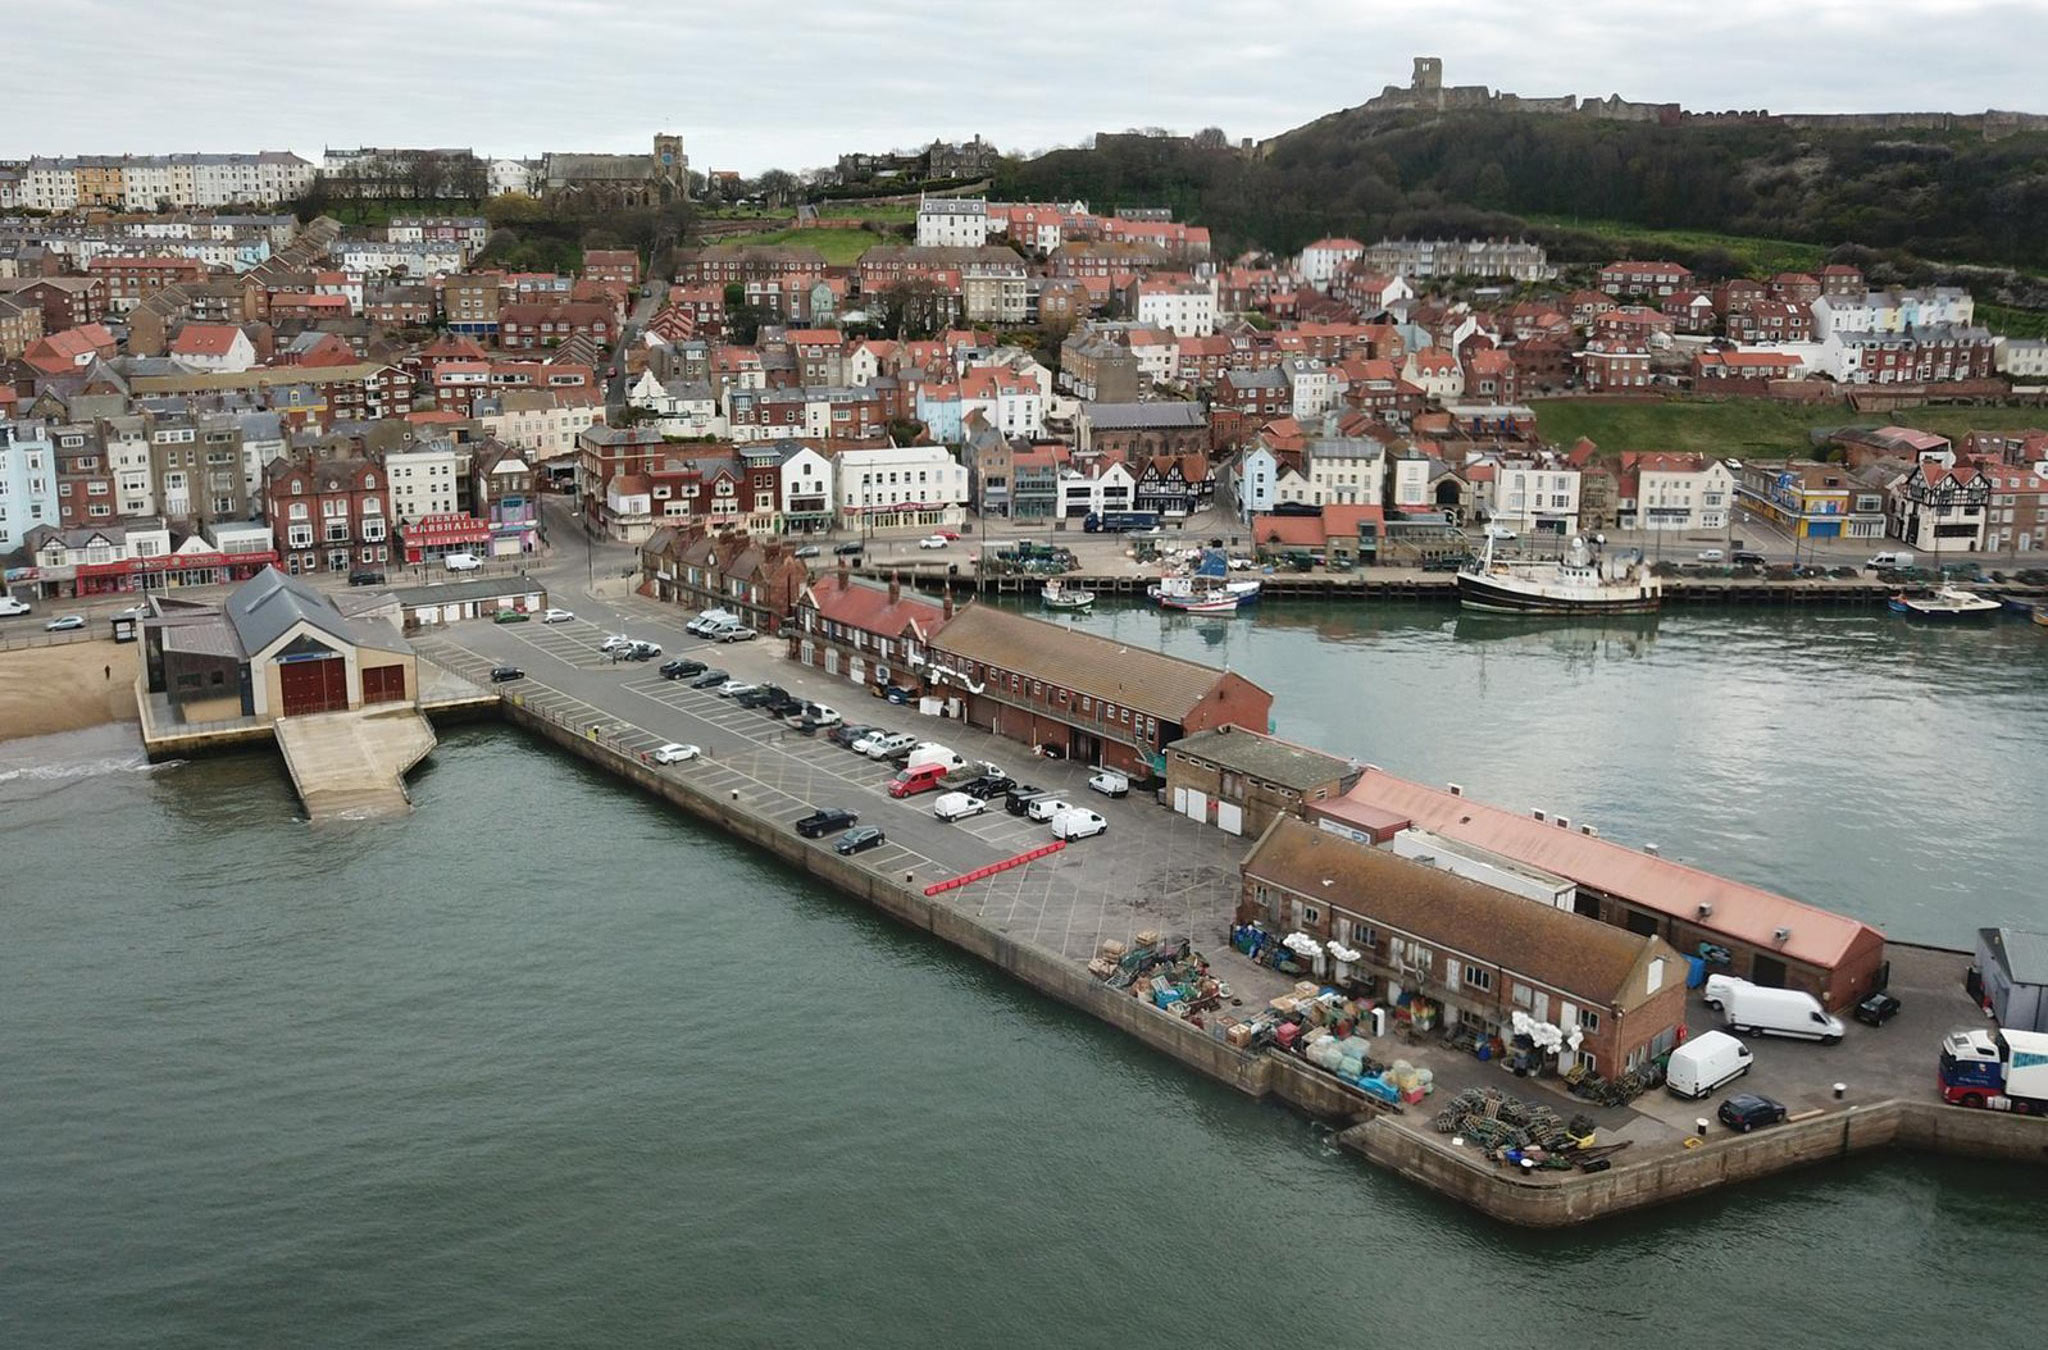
<point>1947,602</point>
<point>2041,615</point>
<point>1209,589</point>
<point>1067,599</point>
<point>1582,582</point>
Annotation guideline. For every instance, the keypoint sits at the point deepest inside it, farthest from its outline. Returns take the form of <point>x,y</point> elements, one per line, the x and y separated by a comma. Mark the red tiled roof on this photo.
<point>869,609</point>
<point>205,339</point>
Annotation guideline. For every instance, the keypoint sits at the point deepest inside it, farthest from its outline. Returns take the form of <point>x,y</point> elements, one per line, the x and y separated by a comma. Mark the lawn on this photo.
<point>1763,257</point>
<point>840,247</point>
<point>1744,427</point>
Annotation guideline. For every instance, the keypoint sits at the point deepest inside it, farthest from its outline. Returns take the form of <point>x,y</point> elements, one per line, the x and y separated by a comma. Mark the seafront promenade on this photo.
<point>1155,870</point>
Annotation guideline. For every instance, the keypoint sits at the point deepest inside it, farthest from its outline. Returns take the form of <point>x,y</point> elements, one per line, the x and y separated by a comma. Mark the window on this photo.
<point>1477,978</point>
<point>1310,914</point>
<point>1589,1020</point>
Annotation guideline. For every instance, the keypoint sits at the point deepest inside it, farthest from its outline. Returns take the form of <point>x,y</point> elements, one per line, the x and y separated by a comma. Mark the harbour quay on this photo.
<point>1166,868</point>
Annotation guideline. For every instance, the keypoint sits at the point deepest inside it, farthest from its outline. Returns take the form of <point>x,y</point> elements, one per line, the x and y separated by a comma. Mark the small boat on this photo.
<point>1190,596</point>
<point>2016,604</point>
<point>1066,599</point>
<point>1581,583</point>
<point>1948,602</point>
<point>2041,615</point>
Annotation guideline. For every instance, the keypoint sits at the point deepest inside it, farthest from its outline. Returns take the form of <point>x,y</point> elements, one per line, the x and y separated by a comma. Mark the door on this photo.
<point>1230,817</point>
<point>1768,971</point>
<point>384,684</point>
<point>313,686</point>
<point>1197,807</point>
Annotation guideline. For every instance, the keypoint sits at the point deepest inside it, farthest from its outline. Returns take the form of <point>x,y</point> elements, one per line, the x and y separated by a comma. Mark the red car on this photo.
<point>913,781</point>
<point>948,535</point>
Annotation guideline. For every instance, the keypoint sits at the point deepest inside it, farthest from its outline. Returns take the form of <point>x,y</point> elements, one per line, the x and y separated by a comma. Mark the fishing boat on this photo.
<point>1581,582</point>
<point>1948,602</point>
<point>1067,599</point>
<point>1209,589</point>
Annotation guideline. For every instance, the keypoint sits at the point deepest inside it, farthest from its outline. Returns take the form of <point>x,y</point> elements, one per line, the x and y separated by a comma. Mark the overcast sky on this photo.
<point>753,84</point>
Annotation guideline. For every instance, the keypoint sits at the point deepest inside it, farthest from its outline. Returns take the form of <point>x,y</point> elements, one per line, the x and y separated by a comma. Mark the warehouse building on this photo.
<point>2013,969</point>
<point>1240,781</point>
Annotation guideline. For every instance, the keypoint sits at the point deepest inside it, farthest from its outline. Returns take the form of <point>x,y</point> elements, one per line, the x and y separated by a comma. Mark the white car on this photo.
<point>1077,824</point>
<point>819,714</point>
<point>11,607</point>
<point>1045,808</point>
<point>736,633</point>
<point>932,541</point>
<point>881,747</point>
<point>557,616</point>
<point>734,688</point>
<point>1110,783</point>
<point>1711,555</point>
<point>711,619</point>
<point>65,624</point>
<point>616,642</point>
<point>1499,532</point>
<point>675,754</point>
<point>958,806</point>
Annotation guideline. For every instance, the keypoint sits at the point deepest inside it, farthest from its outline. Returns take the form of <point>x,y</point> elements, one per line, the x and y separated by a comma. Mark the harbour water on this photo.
<point>545,1063</point>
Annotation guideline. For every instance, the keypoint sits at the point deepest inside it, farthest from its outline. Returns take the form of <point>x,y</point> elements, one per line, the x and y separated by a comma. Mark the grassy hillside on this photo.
<point>1750,428</point>
<point>840,247</point>
<point>1758,257</point>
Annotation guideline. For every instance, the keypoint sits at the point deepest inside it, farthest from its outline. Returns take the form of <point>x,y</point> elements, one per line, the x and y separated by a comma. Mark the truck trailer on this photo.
<point>1997,1070</point>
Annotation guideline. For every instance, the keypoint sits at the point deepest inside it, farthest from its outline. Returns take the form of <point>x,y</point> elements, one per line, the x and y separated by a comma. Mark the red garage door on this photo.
<point>384,684</point>
<point>314,686</point>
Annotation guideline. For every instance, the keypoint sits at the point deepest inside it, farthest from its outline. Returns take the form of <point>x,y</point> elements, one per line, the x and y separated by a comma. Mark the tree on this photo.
<point>1211,138</point>
<point>910,310</point>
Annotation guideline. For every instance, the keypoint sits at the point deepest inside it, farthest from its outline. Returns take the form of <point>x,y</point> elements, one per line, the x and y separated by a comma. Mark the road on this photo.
<point>615,385</point>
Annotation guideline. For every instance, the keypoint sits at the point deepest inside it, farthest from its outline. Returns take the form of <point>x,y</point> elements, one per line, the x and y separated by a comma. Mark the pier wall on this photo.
<point>1403,1143</point>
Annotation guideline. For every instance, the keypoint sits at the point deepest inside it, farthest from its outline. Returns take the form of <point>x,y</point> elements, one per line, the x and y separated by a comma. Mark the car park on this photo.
<point>502,674</point>
<point>958,806</point>
<point>557,616</point>
<point>681,668</point>
<point>1110,783</point>
<point>676,754</point>
<point>510,616</point>
<point>1876,1009</point>
<point>1047,806</point>
<point>1077,823</point>
<point>709,679</point>
<point>932,541</point>
<point>1745,1111</point>
<point>824,820</point>
<point>859,840</point>
<point>734,688</point>
<point>68,623</point>
<point>11,608</point>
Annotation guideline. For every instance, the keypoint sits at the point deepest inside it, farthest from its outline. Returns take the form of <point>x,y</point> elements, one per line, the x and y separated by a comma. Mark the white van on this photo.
<point>462,562</point>
<point>1758,1010</point>
<point>931,752</point>
<point>1895,558</point>
<point>1704,1063</point>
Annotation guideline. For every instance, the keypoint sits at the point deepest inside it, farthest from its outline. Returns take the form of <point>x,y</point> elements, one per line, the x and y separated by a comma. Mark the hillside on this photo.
<point>1935,194</point>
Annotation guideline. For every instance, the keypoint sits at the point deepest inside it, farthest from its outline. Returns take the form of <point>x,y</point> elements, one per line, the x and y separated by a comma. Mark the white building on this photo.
<point>424,258</point>
<point>50,185</point>
<point>806,484</point>
<point>264,440</point>
<point>1311,387</point>
<point>1325,258</point>
<point>422,480</point>
<point>2023,360</point>
<point>127,442</point>
<point>685,408</point>
<point>1346,471</point>
<point>510,175</point>
<point>1008,401</point>
<point>1109,488</point>
<point>1537,496</point>
<point>952,222</point>
<point>544,422</point>
<point>1252,480</point>
<point>28,482</point>
<point>1184,308</point>
<point>908,485</point>
<point>1682,492</point>
<point>1892,311</point>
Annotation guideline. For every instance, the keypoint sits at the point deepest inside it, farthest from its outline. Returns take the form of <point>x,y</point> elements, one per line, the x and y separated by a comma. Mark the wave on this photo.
<point>81,768</point>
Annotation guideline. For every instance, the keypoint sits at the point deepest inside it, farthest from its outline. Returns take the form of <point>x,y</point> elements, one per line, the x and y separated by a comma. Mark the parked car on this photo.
<point>462,562</point>
<point>640,651</point>
<point>1704,1063</point>
<point>366,578</point>
<point>1019,798</point>
<point>988,785</point>
<point>822,715</point>
<point>66,623</point>
<point>710,679</point>
<point>806,551</point>
<point>898,695</point>
<point>946,534</point>
<point>676,754</point>
<point>824,820</point>
<point>1077,823</point>
<point>614,642</point>
<point>11,608</point>
<point>1746,1110</point>
<point>737,633</point>
<point>1047,806</point>
<point>501,674</point>
<point>734,688</point>
<point>846,733</point>
<point>759,695</point>
<point>681,668</point>
<point>1499,532</point>
<point>958,806</point>
<point>1110,783</point>
<point>1742,557</point>
<point>848,550</point>
<point>557,616</point>
<point>710,618</point>
<point>510,616</point>
<point>858,840</point>
<point>932,541</point>
<point>910,782</point>
<point>1877,1009</point>
<point>887,744</point>
<point>1712,555</point>
<point>784,707</point>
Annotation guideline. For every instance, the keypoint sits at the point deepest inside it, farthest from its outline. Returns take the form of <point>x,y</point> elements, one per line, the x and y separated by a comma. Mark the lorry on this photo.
<point>1117,522</point>
<point>1998,1070</point>
<point>1758,1009</point>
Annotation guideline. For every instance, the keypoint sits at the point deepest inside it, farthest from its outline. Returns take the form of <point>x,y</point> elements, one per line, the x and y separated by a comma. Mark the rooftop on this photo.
<point>1265,757</point>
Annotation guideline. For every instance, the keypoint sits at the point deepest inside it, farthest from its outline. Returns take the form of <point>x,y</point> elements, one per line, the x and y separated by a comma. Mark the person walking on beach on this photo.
<point>110,674</point>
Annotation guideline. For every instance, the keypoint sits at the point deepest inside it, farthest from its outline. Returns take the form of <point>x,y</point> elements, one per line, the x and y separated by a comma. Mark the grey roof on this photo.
<point>1275,761</point>
<point>263,608</point>
<point>478,588</point>
<point>1140,415</point>
<point>211,636</point>
<point>2024,955</point>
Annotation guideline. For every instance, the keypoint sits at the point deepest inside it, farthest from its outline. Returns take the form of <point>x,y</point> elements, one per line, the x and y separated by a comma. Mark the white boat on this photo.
<point>1949,602</point>
<point>1191,595</point>
<point>1582,582</point>
<point>1068,599</point>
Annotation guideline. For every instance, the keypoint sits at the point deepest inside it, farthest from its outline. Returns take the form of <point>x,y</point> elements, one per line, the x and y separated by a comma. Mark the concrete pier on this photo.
<point>353,764</point>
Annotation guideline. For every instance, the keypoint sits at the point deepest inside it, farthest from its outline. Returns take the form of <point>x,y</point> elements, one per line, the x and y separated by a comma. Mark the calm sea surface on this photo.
<point>545,1064</point>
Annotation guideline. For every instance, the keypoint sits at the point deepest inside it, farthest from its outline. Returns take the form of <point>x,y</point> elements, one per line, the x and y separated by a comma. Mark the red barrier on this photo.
<point>979,873</point>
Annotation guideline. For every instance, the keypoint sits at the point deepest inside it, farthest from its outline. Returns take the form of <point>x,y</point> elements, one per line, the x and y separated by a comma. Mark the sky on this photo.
<point>758,84</point>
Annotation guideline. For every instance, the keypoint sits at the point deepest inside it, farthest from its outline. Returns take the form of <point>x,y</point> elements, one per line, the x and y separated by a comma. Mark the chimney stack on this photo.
<point>844,576</point>
<point>895,587</point>
<point>949,602</point>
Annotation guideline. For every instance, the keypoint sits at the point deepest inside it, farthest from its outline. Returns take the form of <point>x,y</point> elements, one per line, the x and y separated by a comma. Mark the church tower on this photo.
<point>671,165</point>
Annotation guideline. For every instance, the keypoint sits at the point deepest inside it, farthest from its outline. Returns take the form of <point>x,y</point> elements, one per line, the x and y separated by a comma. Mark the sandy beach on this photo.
<point>45,690</point>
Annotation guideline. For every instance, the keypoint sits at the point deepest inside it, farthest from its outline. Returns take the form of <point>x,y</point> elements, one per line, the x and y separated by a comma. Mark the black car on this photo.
<point>760,695</point>
<point>987,786</point>
<point>710,679</point>
<point>681,668</point>
<point>824,820</point>
<point>1020,797</point>
<point>784,706</point>
<point>1742,557</point>
<point>852,550</point>
<point>501,674</point>
<point>366,578</point>
<point>1877,1009</point>
<point>859,840</point>
<point>1746,1110</point>
<point>846,733</point>
<point>897,694</point>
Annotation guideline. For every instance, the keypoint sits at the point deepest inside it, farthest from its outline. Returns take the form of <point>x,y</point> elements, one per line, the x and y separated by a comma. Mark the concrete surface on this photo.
<point>352,765</point>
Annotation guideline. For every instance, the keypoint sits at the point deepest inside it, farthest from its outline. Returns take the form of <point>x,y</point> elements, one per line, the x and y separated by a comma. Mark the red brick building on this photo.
<point>531,327</point>
<point>328,515</point>
<point>1612,367</point>
<point>130,281</point>
<point>620,265</point>
<point>1771,321</point>
<point>1653,280</point>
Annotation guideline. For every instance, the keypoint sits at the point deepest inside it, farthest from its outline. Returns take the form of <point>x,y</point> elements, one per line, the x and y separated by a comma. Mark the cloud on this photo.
<point>797,83</point>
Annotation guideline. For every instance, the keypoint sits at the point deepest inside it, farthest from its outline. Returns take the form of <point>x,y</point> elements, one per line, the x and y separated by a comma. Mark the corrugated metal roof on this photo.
<point>1746,913</point>
<point>2024,955</point>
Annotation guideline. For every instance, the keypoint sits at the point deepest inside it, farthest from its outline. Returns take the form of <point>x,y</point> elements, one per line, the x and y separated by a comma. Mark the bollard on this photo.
<point>1840,1088</point>
<point>1701,1125</point>
<point>735,794</point>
